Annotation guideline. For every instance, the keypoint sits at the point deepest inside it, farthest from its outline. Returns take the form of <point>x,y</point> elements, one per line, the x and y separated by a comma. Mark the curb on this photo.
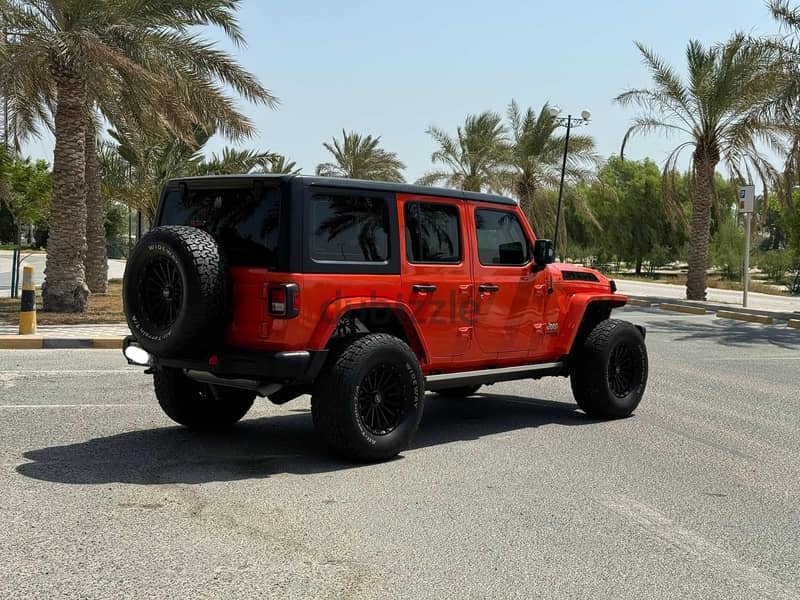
<point>713,307</point>
<point>32,342</point>
<point>637,302</point>
<point>748,317</point>
<point>682,308</point>
<point>794,323</point>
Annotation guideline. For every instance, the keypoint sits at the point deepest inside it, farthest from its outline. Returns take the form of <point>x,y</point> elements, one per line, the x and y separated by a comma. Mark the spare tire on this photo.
<point>176,291</point>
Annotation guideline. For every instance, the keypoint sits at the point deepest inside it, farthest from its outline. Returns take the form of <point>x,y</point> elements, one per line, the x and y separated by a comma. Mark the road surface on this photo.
<point>511,494</point>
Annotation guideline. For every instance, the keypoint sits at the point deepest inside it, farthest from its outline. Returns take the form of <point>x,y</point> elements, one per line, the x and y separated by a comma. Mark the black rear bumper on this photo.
<point>301,366</point>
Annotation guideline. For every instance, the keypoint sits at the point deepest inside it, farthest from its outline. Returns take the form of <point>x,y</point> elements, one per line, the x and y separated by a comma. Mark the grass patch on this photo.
<point>24,250</point>
<point>103,308</point>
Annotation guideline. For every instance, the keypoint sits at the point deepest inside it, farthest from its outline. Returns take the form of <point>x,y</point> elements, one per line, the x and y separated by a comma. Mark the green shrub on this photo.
<point>727,250</point>
<point>774,263</point>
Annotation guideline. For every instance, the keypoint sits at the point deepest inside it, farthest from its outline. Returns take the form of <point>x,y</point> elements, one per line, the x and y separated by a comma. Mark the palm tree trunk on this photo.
<point>96,256</point>
<point>702,190</point>
<point>65,289</point>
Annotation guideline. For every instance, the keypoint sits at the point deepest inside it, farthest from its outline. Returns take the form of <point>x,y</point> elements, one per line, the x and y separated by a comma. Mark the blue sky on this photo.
<point>394,68</point>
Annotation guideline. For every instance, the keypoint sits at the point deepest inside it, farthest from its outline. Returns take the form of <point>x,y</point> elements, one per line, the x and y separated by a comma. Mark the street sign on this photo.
<point>747,199</point>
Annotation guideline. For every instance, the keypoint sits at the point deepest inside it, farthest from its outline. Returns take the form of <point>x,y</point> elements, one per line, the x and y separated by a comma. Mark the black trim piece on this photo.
<point>295,366</point>
<point>485,376</point>
<point>354,184</point>
<point>578,276</point>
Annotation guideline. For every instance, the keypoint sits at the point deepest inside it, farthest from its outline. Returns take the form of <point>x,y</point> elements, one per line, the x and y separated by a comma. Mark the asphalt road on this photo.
<point>512,494</point>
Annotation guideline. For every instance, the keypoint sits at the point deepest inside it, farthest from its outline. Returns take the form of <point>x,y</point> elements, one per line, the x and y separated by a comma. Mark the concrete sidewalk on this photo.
<point>785,306</point>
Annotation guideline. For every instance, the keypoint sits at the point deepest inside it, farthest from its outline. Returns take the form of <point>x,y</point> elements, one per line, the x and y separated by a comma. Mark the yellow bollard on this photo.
<point>27,309</point>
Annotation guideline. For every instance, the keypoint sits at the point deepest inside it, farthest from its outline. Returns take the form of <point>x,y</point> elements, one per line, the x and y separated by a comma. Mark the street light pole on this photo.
<point>561,185</point>
<point>569,122</point>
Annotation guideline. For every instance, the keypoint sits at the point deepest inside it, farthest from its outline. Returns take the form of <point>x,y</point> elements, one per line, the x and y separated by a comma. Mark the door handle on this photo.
<point>488,288</point>
<point>423,289</point>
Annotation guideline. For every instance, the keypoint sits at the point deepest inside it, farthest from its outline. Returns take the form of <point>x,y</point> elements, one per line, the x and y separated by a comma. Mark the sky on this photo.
<point>392,69</point>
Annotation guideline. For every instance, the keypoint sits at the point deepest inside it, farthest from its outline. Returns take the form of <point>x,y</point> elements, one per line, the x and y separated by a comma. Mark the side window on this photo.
<point>501,239</point>
<point>351,229</point>
<point>432,232</point>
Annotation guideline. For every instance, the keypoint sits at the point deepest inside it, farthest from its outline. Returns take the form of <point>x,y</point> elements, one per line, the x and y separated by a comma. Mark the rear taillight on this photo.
<point>283,300</point>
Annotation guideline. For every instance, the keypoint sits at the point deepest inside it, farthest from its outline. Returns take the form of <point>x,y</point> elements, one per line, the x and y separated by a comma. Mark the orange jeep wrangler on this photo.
<point>364,295</point>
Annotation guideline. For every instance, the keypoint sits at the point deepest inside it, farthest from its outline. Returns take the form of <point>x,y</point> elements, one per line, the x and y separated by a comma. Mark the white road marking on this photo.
<point>693,544</point>
<point>72,405</point>
<point>70,372</point>
<point>747,358</point>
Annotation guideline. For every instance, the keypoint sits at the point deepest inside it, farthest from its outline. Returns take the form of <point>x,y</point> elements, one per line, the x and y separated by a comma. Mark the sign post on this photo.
<point>746,203</point>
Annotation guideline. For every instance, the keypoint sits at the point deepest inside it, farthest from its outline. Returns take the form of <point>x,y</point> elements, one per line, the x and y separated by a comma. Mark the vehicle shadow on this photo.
<point>259,448</point>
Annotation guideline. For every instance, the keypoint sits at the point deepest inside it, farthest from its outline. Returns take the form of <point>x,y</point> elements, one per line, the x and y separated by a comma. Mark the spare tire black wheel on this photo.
<point>176,291</point>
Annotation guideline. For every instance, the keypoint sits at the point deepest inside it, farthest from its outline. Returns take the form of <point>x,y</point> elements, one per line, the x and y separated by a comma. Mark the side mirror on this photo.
<point>543,253</point>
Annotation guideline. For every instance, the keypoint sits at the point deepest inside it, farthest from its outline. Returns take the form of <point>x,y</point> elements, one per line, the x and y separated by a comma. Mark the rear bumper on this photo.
<point>300,366</point>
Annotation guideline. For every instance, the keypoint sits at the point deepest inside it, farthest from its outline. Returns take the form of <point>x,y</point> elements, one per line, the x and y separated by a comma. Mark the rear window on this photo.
<point>351,229</point>
<point>244,221</point>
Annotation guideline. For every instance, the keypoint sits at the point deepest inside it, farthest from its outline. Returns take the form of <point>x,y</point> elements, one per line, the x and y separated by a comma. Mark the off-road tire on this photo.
<point>198,405</point>
<point>459,392</point>
<point>202,311</point>
<point>596,383</point>
<point>336,406</point>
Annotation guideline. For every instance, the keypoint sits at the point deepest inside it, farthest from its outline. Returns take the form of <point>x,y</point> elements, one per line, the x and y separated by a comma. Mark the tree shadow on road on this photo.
<point>262,447</point>
<point>728,333</point>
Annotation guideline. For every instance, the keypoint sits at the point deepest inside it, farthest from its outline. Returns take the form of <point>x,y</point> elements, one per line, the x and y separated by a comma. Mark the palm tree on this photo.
<point>787,47</point>
<point>133,170</point>
<point>139,63</point>
<point>474,158</point>
<point>360,157</point>
<point>233,161</point>
<point>535,160</point>
<point>278,163</point>
<point>721,112</point>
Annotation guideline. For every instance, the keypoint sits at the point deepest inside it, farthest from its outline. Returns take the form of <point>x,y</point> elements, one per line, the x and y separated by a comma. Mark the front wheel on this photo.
<point>199,405</point>
<point>609,371</point>
<point>367,403</point>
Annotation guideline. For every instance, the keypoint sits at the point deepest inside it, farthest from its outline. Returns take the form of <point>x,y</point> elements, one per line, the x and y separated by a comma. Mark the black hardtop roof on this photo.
<point>360,184</point>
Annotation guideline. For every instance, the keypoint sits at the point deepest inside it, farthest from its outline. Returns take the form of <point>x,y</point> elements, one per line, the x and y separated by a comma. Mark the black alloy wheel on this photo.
<point>622,370</point>
<point>380,399</point>
<point>161,293</point>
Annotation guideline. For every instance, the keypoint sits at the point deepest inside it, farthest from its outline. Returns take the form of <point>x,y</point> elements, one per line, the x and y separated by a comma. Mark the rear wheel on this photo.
<point>459,392</point>
<point>609,371</point>
<point>367,403</point>
<point>199,405</point>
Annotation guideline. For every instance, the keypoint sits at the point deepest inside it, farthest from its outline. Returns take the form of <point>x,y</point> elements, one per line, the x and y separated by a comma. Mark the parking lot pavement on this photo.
<point>510,494</point>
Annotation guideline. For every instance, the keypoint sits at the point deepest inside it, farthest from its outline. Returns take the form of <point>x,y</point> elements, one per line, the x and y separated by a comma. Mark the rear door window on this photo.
<point>245,221</point>
<point>432,232</point>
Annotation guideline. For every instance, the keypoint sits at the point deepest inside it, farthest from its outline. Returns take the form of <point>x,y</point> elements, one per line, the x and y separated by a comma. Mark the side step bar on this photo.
<point>484,376</point>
